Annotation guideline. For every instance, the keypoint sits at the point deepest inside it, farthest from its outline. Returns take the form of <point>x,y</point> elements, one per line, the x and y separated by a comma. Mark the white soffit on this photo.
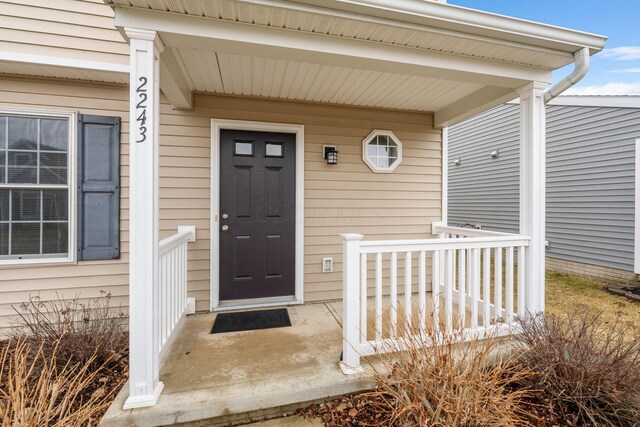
<point>224,73</point>
<point>294,16</point>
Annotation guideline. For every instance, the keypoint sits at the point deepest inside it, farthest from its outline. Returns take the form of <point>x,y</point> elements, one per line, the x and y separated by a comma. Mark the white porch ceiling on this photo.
<point>224,73</point>
<point>410,55</point>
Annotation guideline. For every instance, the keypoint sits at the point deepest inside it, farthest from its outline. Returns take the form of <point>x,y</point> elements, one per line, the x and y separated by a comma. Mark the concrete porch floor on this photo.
<point>236,377</point>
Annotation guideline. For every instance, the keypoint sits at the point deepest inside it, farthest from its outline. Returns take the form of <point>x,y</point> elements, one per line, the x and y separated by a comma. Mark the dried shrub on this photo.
<point>452,384</point>
<point>36,391</point>
<point>81,331</point>
<point>449,384</point>
<point>587,369</point>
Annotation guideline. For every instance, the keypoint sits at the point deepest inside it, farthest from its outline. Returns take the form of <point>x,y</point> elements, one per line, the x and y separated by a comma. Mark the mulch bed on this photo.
<point>367,410</point>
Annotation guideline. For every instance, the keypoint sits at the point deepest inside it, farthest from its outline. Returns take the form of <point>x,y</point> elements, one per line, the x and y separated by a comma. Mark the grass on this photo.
<point>566,292</point>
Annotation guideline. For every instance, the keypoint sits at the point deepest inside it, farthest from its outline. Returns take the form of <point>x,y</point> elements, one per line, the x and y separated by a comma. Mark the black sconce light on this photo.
<point>330,154</point>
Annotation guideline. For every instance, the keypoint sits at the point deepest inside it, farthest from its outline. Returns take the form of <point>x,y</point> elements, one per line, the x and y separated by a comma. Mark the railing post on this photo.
<point>351,303</point>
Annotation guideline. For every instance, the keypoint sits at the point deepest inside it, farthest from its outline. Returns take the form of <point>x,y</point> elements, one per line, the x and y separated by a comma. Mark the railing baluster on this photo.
<point>497,284</point>
<point>363,298</point>
<point>475,286</point>
<point>462,291</point>
<point>469,267</point>
<point>508,297</point>
<point>449,290</point>
<point>453,268</point>
<point>435,288</point>
<point>393,297</point>
<point>379,299</point>
<point>407,288</point>
<point>486,283</point>
<point>171,286</point>
<point>521,284</point>
<point>422,290</point>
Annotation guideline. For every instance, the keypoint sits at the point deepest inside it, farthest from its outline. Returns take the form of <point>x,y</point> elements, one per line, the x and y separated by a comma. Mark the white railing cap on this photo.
<point>351,236</point>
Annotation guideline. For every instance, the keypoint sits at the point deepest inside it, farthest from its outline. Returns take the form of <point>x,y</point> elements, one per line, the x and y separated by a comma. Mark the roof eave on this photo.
<point>470,21</point>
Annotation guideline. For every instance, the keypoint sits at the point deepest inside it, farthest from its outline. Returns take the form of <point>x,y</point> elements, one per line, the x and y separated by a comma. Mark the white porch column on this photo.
<point>532,191</point>
<point>144,371</point>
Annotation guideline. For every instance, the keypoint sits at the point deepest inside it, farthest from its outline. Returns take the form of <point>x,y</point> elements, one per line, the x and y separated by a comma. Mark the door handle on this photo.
<point>225,228</point>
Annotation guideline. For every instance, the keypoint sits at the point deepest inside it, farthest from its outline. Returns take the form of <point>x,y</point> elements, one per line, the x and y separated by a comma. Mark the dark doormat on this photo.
<point>250,320</point>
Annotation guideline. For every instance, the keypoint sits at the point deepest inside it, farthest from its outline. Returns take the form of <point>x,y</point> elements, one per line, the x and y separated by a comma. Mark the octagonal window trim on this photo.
<point>379,148</point>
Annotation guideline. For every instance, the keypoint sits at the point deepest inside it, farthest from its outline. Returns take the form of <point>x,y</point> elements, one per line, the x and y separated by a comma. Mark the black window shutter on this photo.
<point>98,187</point>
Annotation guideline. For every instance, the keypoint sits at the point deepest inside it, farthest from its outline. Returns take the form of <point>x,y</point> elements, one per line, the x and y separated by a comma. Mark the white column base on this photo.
<point>133,402</point>
<point>350,370</point>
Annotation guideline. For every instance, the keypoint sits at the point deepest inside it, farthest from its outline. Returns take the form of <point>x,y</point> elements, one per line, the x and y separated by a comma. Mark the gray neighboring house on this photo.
<point>592,191</point>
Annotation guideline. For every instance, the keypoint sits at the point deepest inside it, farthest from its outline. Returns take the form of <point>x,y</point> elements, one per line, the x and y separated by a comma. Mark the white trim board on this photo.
<point>216,126</point>
<point>64,62</point>
<point>615,101</point>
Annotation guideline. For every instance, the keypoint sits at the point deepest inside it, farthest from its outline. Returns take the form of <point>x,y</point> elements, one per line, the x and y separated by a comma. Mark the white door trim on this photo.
<point>216,126</point>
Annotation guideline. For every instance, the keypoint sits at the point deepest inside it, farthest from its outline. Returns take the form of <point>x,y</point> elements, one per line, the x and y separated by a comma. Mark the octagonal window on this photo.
<point>382,151</point>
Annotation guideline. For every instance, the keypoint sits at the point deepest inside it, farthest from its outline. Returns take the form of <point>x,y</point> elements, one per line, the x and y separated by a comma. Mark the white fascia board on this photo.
<point>597,101</point>
<point>61,62</point>
<point>479,101</point>
<point>470,21</point>
<point>332,12</point>
<point>614,101</point>
<point>234,37</point>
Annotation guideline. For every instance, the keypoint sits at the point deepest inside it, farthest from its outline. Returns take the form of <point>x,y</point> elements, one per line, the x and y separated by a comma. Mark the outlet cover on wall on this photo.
<point>327,265</point>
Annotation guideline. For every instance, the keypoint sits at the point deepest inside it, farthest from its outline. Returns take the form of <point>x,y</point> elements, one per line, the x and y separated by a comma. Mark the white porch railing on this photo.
<point>467,279</point>
<point>172,285</point>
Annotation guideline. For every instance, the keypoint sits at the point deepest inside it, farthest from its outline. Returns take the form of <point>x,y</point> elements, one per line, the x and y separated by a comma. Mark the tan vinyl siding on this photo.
<point>74,29</point>
<point>343,198</point>
<point>86,279</point>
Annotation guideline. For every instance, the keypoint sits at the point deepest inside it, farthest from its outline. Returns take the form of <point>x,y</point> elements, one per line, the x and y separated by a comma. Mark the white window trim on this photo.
<point>71,182</point>
<point>216,126</point>
<point>367,140</point>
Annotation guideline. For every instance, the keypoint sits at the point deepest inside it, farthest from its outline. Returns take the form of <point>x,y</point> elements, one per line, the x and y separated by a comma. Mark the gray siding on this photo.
<point>590,179</point>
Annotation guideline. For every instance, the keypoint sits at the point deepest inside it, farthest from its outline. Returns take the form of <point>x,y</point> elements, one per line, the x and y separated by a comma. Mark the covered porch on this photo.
<point>417,56</point>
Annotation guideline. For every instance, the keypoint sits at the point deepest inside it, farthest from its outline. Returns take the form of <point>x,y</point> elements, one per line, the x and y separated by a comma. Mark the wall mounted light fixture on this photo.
<point>494,154</point>
<point>456,162</point>
<point>330,154</point>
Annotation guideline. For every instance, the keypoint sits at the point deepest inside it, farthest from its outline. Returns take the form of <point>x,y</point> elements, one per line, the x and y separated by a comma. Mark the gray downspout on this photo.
<point>581,59</point>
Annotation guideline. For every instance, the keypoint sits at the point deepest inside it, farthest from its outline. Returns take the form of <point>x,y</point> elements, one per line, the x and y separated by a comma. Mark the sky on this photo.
<point>615,70</point>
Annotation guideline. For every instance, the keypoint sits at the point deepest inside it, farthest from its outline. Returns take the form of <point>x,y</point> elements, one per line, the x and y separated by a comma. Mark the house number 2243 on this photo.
<point>141,109</point>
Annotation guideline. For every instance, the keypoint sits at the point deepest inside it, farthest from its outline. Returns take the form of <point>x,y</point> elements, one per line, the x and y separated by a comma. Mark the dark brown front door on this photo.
<point>257,214</point>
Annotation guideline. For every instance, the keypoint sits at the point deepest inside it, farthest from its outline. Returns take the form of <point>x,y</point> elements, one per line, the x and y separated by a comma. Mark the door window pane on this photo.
<point>243,148</point>
<point>274,149</point>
